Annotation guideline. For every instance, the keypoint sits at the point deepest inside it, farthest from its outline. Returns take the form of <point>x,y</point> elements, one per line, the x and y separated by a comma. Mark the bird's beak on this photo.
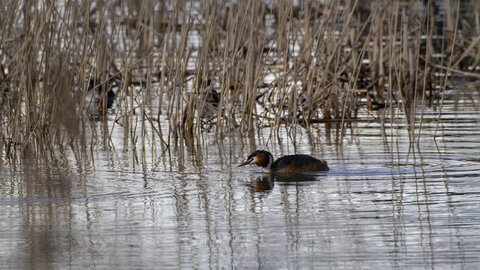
<point>246,162</point>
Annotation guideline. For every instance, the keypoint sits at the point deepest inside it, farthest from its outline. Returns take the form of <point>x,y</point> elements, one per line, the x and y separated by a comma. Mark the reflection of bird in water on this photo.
<point>264,183</point>
<point>292,163</point>
<point>98,99</point>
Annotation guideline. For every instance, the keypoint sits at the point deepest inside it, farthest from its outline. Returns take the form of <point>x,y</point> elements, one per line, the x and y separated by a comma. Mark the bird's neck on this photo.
<point>268,167</point>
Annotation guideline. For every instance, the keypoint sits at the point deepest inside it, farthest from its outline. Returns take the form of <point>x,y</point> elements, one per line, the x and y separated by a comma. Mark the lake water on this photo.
<point>385,204</point>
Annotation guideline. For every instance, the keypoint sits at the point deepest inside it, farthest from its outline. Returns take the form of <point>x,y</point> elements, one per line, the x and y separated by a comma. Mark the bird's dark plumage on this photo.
<point>291,163</point>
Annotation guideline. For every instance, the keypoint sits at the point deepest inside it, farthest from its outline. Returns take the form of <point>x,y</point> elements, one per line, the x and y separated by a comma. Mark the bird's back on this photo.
<point>299,163</point>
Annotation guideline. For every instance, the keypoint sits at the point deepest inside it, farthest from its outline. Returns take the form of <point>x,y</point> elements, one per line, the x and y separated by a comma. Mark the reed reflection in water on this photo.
<point>372,209</point>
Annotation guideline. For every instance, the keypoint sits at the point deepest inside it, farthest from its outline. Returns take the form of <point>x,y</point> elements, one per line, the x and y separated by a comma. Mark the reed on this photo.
<point>184,69</point>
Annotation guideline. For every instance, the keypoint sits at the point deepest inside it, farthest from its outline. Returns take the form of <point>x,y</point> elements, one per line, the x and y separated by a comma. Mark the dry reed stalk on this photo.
<point>426,74</point>
<point>442,91</point>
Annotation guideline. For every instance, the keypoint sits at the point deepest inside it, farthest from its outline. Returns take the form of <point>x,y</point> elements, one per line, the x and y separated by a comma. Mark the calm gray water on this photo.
<point>383,205</point>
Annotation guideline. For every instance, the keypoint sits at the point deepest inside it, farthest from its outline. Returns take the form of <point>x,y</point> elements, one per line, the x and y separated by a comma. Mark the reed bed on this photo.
<point>183,69</point>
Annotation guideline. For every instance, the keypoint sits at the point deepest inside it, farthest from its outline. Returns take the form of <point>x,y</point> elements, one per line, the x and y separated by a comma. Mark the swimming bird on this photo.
<point>97,101</point>
<point>291,163</point>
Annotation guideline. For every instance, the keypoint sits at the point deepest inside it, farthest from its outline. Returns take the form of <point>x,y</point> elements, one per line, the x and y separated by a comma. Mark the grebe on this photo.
<point>97,101</point>
<point>293,163</point>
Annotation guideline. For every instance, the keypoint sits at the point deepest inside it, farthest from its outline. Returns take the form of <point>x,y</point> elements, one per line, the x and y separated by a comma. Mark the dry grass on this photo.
<point>182,69</point>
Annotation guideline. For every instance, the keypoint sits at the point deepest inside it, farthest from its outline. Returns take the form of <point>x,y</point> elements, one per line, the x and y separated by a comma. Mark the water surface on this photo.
<point>385,203</point>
